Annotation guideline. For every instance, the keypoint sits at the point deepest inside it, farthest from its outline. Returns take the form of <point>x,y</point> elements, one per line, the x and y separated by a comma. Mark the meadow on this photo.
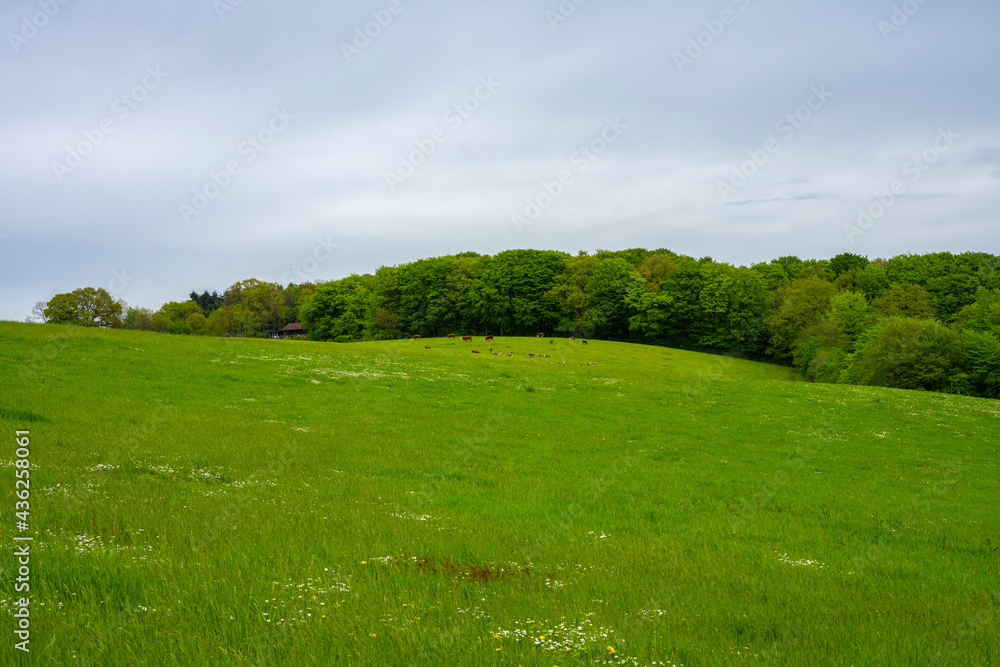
<point>263,502</point>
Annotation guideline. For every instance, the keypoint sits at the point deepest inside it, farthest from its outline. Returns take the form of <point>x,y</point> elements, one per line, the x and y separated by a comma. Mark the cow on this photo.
<point>540,335</point>
<point>551,341</point>
<point>489,337</point>
<point>469,338</point>
<point>573,338</point>
<point>427,347</point>
<point>584,342</point>
<point>450,336</point>
<point>475,352</point>
<point>415,338</point>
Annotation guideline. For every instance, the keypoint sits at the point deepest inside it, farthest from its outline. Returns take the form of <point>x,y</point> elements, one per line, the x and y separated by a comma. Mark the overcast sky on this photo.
<point>154,148</point>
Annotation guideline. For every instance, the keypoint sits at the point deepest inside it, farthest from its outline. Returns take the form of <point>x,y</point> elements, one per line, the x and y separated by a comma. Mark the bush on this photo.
<point>829,364</point>
<point>907,354</point>
<point>981,363</point>
<point>182,328</point>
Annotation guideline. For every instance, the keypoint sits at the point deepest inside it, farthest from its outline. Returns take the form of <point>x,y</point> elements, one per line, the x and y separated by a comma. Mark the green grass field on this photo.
<point>221,501</point>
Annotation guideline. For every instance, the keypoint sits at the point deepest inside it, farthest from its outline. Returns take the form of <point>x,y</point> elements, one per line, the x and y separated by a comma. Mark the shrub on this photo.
<point>905,353</point>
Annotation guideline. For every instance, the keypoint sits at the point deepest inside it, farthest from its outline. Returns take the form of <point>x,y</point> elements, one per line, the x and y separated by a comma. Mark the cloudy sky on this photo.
<point>160,147</point>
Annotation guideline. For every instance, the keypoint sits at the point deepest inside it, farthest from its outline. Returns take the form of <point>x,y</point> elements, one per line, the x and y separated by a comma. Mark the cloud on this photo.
<point>325,174</point>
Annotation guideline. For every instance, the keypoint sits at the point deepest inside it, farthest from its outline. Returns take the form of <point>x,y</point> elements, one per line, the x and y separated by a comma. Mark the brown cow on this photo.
<point>466,337</point>
<point>475,352</point>
<point>540,335</point>
<point>489,337</point>
<point>551,341</point>
<point>450,336</point>
<point>572,338</point>
<point>416,338</point>
<point>584,342</point>
<point>427,347</point>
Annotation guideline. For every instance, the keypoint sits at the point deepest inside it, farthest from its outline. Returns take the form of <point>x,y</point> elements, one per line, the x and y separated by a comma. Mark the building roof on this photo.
<point>294,326</point>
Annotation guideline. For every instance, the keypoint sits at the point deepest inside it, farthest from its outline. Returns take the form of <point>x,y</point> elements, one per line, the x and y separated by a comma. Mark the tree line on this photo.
<point>927,321</point>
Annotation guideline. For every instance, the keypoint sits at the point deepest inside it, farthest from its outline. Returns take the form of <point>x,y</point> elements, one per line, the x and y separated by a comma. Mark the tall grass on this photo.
<point>206,501</point>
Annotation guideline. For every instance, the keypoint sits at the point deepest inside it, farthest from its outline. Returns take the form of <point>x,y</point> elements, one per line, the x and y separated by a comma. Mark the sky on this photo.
<point>161,147</point>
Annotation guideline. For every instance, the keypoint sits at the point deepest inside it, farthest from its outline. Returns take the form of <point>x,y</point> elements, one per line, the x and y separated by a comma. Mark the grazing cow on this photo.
<point>584,342</point>
<point>489,337</point>
<point>450,336</point>
<point>427,347</point>
<point>469,338</point>
<point>551,341</point>
<point>416,338</point>
<point>540,335</point>
<point>475,352</point>
<point>572,338</point>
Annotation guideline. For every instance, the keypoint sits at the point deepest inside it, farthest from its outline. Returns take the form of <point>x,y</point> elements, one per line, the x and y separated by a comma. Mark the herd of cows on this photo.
<point>489,337</point>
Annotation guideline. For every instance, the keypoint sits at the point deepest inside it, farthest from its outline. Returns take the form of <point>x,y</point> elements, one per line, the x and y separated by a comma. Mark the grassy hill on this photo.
<point>224,501</point>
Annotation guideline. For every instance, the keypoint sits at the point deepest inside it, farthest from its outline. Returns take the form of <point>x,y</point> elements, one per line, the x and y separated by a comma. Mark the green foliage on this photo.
<point>906,300</point>
<point>614,279</point>
<point>981,362</point>
<point>179,311</point>
<point>569,293</point>
<point>769,311</point>
<point>63,309</point>
<point>86,307</point>
<point>138,318</point>
<point>207,302</point>
<point>161,323</point>
<point>678,314</point>
<point>852,313</point>
<point>809,351</point>
<point>733,301</point>
<point>511,291</point>
<point>197,322</point>
<point>828,365</point>
<point>952,280</point>
<point>655,268</point>
<point>652,319</point>
<point>983,314</point>
<point>872,281</point>
<point>845,262</point>
<point>802,304</point>
<point>336,311</point>
<point>905,353</point>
